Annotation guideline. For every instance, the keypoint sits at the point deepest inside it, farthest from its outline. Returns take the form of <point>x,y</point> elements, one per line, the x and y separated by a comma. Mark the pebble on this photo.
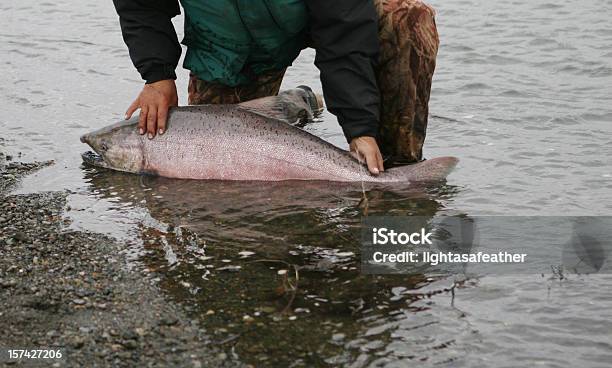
<point>78,342</point>
<point>20,236</point>
<point>230,268</point>
<point>267,309</point>
<point>130,344</point>
<point>168,321</point>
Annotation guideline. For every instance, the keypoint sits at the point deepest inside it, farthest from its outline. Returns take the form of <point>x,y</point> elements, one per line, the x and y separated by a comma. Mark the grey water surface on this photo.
<point>522,95</point>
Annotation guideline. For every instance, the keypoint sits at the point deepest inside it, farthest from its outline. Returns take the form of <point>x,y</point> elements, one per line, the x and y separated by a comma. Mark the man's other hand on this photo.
<point>366,149</point>
<point>154,101</point>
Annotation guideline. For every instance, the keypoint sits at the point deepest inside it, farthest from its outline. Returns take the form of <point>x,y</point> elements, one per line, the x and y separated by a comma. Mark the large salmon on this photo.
<point>230,142</point>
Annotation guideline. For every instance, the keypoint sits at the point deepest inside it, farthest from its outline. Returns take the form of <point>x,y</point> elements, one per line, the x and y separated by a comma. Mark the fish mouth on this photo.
<point>93,159</point>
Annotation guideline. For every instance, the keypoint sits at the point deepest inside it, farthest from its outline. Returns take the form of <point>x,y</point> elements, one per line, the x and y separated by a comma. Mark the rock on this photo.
<point>130,335</point>
<point>267,309</point>
<point>83,292</point>
<point>20,236</point>
<point>230,268</point>
<point>130,344</point>
<point>78,342</point>
<point>168,321</point>
<point>8,283</point>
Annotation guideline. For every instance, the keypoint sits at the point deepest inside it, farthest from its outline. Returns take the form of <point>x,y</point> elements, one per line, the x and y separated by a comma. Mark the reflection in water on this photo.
<point>272,268</point>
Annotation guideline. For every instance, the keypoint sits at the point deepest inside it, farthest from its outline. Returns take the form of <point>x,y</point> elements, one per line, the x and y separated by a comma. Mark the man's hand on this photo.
<point>366,149</point>
<point>154,101</point>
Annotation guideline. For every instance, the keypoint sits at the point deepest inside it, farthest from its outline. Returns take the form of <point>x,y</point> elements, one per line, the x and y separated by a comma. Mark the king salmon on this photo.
<point>229,142</point>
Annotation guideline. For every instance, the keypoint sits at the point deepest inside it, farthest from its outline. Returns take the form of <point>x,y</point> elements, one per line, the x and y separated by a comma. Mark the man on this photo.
<point>376,59</point>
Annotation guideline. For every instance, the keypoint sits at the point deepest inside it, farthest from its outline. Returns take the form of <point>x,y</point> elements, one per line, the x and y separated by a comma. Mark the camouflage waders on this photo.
<point>408,48</point>
<point>202,92</point>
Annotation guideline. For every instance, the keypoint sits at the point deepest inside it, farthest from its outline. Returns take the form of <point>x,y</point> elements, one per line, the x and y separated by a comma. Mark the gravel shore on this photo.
<point>71,289</point>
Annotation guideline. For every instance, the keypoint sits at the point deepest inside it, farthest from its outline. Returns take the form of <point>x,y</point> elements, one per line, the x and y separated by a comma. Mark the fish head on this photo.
<point>117,147</point>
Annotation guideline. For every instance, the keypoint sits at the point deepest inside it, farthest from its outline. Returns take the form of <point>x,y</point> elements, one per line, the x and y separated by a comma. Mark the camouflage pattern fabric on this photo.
<point>408,48</point>
<point>202,92</point>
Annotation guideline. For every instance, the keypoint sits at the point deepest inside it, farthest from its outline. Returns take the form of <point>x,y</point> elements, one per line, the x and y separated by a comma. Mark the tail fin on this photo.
<point>434,169</point>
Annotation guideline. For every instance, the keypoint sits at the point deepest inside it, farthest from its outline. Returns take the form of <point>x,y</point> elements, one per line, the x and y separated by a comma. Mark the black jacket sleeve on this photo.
<point>150,36</point>
<point>345,36</point>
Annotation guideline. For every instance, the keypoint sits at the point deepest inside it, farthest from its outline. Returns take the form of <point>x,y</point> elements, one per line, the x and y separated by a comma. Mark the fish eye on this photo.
<point>104,147</point>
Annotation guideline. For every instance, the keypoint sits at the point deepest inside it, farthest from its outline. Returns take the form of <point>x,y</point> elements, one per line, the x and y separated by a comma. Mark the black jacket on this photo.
<point>343,32</point>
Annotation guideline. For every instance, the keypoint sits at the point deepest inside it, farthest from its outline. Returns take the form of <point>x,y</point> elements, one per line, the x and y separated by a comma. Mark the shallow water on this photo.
<point>521,95</point>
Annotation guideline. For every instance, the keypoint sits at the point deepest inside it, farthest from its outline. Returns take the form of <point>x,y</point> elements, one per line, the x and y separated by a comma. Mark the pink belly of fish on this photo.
<point>251,159</point>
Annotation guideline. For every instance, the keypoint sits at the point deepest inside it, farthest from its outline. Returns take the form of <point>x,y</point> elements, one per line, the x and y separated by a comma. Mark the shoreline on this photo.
<point>68,289</point>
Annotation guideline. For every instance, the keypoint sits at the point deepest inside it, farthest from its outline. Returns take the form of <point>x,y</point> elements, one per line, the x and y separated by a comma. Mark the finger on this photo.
<point>162,117</point>
<point>372,164</point>
<point>359,157</point>
<point>380,161</point>
<point>133,107</point>
<point>142,120</point>
<point>151,121</point>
